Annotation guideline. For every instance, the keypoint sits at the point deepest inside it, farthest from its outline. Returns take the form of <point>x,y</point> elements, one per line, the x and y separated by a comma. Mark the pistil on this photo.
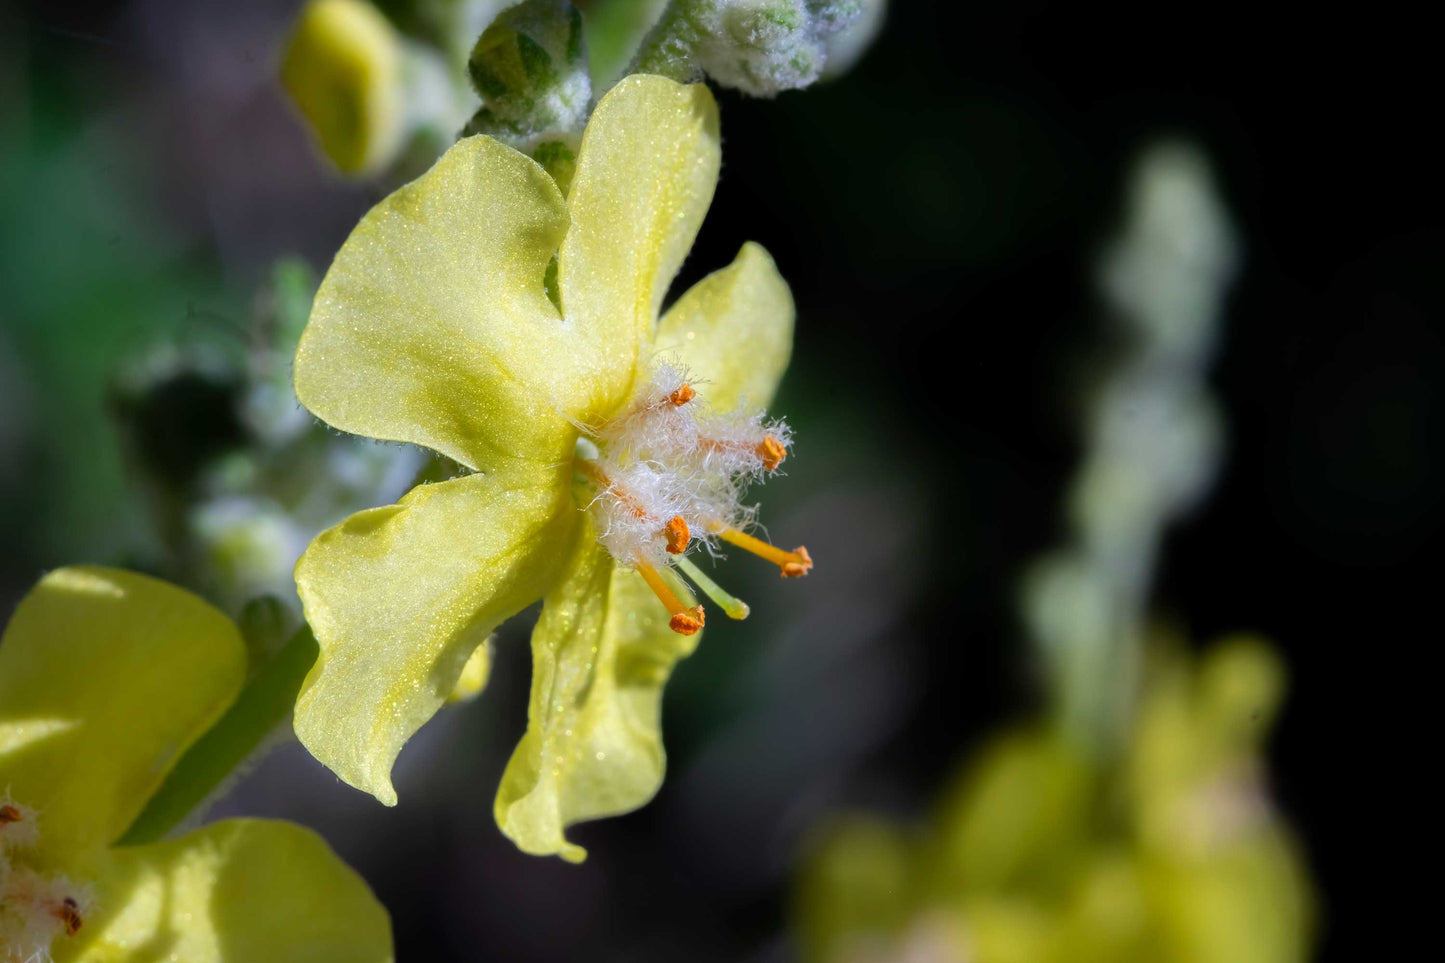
<point>733,607</point>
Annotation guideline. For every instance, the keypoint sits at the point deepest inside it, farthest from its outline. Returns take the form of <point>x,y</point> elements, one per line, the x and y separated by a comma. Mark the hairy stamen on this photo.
<point>684,621</point>
<point>792,564</point>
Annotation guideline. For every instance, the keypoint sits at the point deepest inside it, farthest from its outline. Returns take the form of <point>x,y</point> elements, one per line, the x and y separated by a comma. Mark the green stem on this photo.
<point>262,706</point>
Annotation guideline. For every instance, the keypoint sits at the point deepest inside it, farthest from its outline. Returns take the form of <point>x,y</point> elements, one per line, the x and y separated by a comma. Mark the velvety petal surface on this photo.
<point>432,325</point>
<point>400,598</point>
<point>238,890</point>
<point>601,653</point>
<point>106,677</point>
<point>734,331</point>
<point>645,177</point>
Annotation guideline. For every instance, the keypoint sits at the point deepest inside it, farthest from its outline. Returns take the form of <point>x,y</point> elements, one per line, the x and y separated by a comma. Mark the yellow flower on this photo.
<point>106,677</point>
<point>481,314</point>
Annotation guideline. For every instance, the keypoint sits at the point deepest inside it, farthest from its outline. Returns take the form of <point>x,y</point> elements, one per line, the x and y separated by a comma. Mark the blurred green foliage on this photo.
<point>91,271</point>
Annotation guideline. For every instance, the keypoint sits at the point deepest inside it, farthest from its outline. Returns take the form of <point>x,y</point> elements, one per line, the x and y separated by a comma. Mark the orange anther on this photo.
<point>677,535</point>
<point>802,566</point>
<point>772,452</point>
<point>682,395</point>
<point>9,814</point>
<point>684,620</point>
<point>68,912</point>
<point>687,623</point>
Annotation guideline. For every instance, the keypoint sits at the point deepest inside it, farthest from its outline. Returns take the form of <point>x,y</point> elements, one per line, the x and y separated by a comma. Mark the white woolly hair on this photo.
<point>29,923</point>
<point>652,424</point>
<point>665,460</point>
<point>21,834</point>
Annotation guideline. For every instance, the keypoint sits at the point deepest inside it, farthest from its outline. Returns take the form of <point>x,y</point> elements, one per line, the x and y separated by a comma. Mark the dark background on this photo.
<point>937,213</point>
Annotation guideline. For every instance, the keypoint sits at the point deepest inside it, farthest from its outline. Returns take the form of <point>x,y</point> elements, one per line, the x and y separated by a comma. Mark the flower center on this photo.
<point>34,909</point>
<point>669,474</point>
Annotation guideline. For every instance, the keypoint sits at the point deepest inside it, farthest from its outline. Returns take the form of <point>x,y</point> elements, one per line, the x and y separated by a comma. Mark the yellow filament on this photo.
<point>794,563</point>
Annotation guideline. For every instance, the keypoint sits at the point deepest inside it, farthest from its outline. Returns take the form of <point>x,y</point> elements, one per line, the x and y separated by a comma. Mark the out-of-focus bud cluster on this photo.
<point>239,476</point>
<point>761,47</point>
<point>1153,435</point>
<point>376,86</point>
<point>1040,854</point>
<point>385,88</point>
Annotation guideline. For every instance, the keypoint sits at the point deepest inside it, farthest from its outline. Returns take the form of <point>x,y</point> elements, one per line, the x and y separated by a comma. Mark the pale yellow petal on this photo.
<point>106,677</point>
<point>601,653</point>
<point>400,598</point>
<point>432,325</point>
<point>238,890</point>
<point>734,331</point>
<point>474,675</point>
<point>645,177</point>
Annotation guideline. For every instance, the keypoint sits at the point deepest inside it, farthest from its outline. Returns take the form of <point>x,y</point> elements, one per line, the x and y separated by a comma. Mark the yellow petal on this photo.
<point>601,653</point>
<point>400,597</point>
<point>242,889</point>
<point>106,677</point>
<point>734,331</point>
<point>432,325</point>
<point>342,68</point>
<point>474,675</point>
<point>645,177</point>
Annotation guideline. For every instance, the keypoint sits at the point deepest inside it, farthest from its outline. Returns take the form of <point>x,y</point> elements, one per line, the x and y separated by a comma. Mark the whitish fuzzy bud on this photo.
<point>846,47</point>
<point>761,47</point>
<point>530,68</point>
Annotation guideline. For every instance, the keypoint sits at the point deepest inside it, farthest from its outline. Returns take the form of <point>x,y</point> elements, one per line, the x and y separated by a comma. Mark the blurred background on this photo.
<point>944,212</point>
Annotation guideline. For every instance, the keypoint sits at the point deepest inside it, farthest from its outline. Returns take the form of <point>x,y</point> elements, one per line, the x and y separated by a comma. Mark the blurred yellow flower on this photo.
<point>478,313</point>
<point>343,69</point>
<point>1040,855</point>
<point>106,677</point>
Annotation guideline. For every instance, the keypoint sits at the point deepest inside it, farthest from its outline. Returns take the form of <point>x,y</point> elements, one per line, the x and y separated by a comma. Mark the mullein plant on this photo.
<point>1132,822</point>
<point>502,311</point>
<point>106,678</point>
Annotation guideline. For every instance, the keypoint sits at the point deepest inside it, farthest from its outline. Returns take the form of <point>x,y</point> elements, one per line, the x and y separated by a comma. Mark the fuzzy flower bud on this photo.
<point>530,68</point>
<point>761,47</point>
